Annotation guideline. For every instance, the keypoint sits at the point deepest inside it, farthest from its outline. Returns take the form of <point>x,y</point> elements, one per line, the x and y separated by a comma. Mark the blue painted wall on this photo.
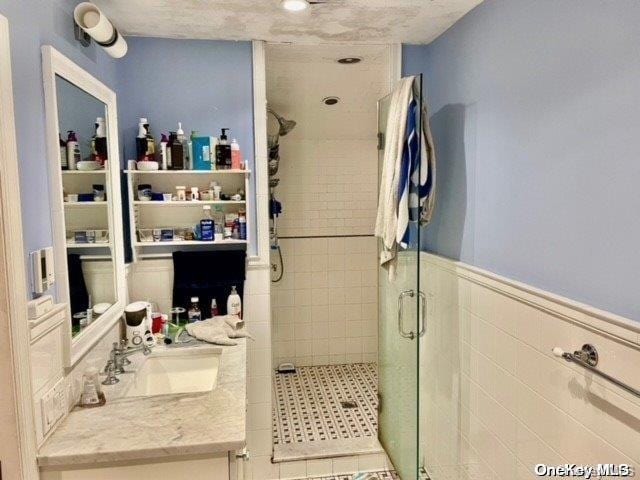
<point>34,23</point>
<point>534,106</point>
<point>205,84</point>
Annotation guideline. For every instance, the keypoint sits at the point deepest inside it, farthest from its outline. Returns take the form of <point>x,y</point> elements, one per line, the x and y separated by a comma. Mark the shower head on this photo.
<point>285,125</point>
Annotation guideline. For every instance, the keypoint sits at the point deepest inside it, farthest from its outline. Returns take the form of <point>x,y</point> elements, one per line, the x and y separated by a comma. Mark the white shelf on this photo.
<point>83,172</point>
<point>187,172</point>
<point>144,213</point>
<point>88,245</point>
<point>188,203</point>
<point>177,243</point>
<point>85,204</point>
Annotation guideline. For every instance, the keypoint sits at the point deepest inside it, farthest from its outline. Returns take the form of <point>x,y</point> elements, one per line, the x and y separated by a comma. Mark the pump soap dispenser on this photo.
<point>223,152</point>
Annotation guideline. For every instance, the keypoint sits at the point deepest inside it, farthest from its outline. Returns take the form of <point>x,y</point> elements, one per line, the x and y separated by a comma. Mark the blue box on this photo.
<point>201,148</point>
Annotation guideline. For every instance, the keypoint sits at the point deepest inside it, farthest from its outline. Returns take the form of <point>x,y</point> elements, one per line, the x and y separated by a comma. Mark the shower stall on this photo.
<point>347,335</point>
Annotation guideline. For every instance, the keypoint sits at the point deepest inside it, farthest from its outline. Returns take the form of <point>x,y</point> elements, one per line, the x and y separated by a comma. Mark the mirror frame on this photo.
<point>56,64</point>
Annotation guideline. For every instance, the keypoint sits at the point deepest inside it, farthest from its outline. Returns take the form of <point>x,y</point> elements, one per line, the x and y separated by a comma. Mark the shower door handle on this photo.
<point>423,314</point>
<point>407,293</point>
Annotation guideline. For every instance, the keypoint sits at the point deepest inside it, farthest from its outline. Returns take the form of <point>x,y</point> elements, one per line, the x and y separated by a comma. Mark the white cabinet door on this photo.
<point>216,468</point>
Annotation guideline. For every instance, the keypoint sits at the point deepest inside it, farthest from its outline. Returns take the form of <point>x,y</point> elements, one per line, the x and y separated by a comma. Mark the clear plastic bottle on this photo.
<point>194,314</point>
<point>234,303</point>
<point>218,223</point>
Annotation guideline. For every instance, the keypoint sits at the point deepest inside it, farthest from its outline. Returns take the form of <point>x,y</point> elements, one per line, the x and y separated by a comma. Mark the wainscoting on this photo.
<point>496,402</point>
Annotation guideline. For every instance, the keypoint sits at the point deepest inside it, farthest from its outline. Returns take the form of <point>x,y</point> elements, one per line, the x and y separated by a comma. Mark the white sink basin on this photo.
<point>180,370</point>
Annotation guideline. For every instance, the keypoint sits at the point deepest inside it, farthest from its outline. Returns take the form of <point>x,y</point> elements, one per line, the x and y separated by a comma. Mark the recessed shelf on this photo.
<point>83,172</point>
<point>187,172</point>
<point>174,243</point>
<point>85,204</point>
<point>188,203</point>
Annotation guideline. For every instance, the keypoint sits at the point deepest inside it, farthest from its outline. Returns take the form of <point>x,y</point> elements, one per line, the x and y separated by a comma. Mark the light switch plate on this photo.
<point>53,405</point>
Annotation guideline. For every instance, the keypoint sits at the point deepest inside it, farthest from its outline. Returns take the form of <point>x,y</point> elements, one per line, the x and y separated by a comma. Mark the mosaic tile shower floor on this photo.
<point>312,404</point>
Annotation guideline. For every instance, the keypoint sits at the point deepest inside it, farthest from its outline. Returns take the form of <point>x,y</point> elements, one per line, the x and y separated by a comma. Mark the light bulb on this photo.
<point>294,5</point>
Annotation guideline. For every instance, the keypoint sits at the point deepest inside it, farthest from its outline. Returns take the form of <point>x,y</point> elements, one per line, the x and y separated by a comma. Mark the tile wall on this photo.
<point>325,308</point>
<point>497,400</point>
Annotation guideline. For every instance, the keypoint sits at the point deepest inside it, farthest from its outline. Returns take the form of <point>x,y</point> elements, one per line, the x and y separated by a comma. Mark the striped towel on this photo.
<point>407,188</point>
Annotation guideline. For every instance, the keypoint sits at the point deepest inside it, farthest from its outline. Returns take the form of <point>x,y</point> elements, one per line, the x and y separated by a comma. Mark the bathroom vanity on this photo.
<point>193,435</point>
<point>178,412</point>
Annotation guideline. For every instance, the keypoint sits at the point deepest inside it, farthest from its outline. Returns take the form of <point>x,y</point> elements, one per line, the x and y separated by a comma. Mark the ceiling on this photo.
<point>336,21</point>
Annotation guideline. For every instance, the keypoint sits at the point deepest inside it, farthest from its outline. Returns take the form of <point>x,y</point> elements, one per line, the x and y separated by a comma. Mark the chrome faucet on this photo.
<point>118,358</point>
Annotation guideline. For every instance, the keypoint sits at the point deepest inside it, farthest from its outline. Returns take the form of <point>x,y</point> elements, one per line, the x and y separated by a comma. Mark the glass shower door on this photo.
<point>399,328</point>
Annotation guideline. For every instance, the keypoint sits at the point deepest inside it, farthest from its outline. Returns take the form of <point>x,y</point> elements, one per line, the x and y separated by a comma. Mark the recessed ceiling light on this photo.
<point>330,100</point>
<point>294,5</point>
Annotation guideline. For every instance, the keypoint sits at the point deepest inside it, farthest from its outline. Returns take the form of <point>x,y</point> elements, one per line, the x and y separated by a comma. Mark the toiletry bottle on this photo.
<point>214,308</point>
<point>164,141</point>
<point>194,314</point>
<point>236,156</point>
<point>206,225</point>
<point>73,150</point>
<point>177,152</point>
<point>223,150</point>
<point>90,388</point>
<point>141,140</point>
<point>186,165</point>
<point>192,153</point>
<point>151,145</point>
<point>218,224</point>
<point>234,303</point>
<point>212,151</point>
<point>64,162</point>
<point>242,221</point>
<point>100,140</point>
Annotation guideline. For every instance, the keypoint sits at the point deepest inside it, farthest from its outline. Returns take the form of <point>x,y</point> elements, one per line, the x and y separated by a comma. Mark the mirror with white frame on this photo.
<point>84,172</point>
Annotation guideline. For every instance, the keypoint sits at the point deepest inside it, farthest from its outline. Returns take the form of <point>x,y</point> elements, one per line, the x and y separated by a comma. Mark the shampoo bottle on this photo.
<point>73,150</point>
<point>141,140</point>
<point>185,147</point>
<point>151,146</point>
<point>164,158</point>
<point>236,156</point>
<point>234,303</point>
<point>177,152</point>
<point>100,140</point>
<point>223,151</point>
<point>64,163</point>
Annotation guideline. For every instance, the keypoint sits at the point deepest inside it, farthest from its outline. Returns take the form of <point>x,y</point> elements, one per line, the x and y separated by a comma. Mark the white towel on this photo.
<point>219,330</point>
<point>407,186</point>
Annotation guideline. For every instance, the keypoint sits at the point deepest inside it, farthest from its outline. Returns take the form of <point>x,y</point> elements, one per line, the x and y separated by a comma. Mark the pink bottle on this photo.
<point>236,156</point>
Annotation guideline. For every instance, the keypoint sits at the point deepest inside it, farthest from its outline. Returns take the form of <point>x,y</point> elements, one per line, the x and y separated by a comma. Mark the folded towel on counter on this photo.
<point>219,330</point>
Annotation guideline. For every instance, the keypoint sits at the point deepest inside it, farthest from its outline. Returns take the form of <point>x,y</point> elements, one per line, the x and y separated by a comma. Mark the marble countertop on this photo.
<point>139,428</point>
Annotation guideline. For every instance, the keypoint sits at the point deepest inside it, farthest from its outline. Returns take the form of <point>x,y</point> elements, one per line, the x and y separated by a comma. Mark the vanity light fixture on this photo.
<point>89,20</point>
<point>294,5</point>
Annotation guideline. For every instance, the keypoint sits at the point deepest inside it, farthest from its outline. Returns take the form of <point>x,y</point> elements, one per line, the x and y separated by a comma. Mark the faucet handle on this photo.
<point>110,371</point>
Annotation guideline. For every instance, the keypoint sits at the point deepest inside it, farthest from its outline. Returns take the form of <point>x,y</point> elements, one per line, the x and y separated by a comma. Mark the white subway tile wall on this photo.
<point>329,162</point>
<point>325,308</point>
<point>496,399</point>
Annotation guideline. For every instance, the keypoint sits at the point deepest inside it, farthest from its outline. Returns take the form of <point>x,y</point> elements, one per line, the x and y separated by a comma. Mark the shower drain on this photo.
<point>348,404</point>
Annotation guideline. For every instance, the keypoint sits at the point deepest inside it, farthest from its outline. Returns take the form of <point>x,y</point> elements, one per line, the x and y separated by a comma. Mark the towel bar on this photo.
<point>587,357</point>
